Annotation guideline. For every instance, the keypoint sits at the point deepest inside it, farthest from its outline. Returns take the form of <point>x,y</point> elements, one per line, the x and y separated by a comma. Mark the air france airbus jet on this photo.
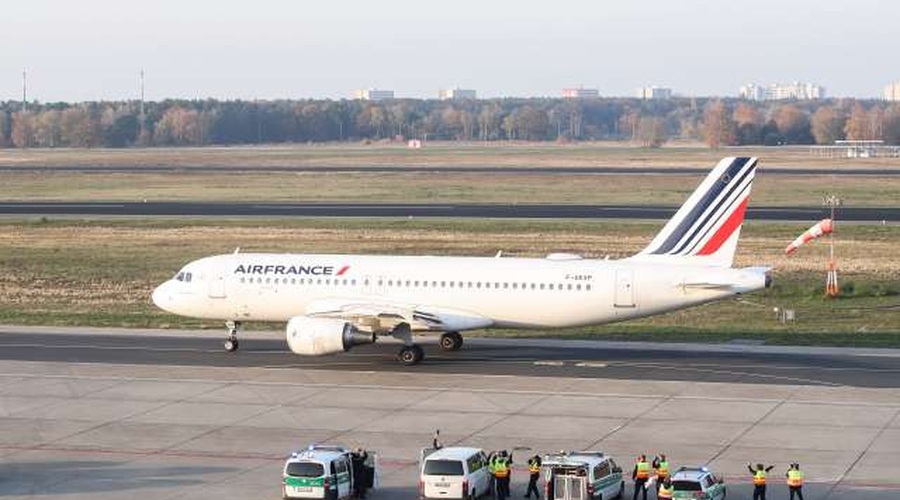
<point>334,302</point>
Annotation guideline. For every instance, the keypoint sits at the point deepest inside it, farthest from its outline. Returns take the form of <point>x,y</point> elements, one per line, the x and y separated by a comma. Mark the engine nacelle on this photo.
<point>317,336</point>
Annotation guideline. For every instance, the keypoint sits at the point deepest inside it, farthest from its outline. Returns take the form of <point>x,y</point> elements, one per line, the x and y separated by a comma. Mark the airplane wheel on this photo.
<point>231,345</point>
<point>451,341</point>
<point>411,355</point>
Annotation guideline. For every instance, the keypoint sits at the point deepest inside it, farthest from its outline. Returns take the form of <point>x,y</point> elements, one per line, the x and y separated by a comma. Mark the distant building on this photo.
<point>456,94</point>
<point>580,93</point>
<point>654,92</point>
<point>373,94</point>
<point>892,92</point>
<point>778,91</point>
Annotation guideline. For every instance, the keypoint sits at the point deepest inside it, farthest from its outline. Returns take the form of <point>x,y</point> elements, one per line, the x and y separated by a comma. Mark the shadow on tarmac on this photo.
<point>62,477</point>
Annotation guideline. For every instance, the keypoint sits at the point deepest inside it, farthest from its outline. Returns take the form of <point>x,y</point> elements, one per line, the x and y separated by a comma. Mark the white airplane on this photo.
<point>334,302</point>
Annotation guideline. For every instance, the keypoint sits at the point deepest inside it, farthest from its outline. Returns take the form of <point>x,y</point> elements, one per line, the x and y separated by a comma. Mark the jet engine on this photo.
<point>317,336</point>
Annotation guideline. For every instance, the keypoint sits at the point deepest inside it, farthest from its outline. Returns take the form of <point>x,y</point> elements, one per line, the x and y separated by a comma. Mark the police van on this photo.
<point>582,475</point>
<point>453,472</point>
<point>323,471</point>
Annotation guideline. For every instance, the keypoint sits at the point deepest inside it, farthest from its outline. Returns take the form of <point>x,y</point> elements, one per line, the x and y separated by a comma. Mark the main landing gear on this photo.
<point>231,343</point>
<point>410,354</point>
<point>451,341</point>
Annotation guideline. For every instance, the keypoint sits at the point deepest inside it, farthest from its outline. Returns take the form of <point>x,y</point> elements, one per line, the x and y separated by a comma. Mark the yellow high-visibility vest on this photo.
<point>759,478</point>
<point>665,493</point>
<point>501,469</point>
<point>643,470</point>
<point>533,467</point>
<point>795,478</point>
<point>663,469</point>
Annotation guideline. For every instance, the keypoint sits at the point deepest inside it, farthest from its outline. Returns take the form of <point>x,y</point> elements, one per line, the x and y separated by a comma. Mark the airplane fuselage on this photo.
<point>464,292</point>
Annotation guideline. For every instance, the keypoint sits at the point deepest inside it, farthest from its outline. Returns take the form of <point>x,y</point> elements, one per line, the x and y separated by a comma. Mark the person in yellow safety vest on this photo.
<point>501,475</point>
<point>661,465</point>
<point>666,490</point>
<point>640,475</point>
<point>759,480</point>
<point>534,474</point>
<point>492,485</point>
<point>795,481</point>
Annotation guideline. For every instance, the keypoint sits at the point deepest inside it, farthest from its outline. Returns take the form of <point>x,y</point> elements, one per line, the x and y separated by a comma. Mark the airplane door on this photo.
<point>624,288</point>
<point>217,286</point>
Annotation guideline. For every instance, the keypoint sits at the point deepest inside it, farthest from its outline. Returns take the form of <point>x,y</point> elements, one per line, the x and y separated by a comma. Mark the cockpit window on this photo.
<point>187,277</point>
<point>183,276</point>
<point>179,277</point>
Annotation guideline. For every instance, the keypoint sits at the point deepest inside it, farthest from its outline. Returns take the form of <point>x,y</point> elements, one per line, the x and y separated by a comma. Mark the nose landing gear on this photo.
<point>231,343</point>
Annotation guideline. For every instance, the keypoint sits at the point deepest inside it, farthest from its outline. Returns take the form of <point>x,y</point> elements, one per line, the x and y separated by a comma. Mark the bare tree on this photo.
<point>718,126</point>
<point>651,131</point>
<point>857,126</point>
<point>23,129</point>
<point>828,125</point>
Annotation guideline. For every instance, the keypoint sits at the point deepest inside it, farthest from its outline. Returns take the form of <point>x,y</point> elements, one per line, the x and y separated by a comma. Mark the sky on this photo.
<point>293,49</point>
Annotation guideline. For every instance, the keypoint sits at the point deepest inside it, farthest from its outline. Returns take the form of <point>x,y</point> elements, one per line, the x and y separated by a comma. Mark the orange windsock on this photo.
<point>823,227</point>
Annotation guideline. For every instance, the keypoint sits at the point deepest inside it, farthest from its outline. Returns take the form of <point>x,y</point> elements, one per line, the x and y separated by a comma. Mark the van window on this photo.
<point>305,469</point>
<point>601,470</point>
<point>443,468</point>
<point>474,463</point>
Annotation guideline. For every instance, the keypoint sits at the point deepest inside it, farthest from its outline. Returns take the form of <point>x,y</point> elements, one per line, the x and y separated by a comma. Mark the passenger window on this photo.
<point>550,286</point>
<point>268,280</point>
<point>452,284</point>
<point>505,286</point>
<point>242,280</point>
<point>578,286</point>
<point>542,286</point>
<point>587,287</point>
<point>601,470</point>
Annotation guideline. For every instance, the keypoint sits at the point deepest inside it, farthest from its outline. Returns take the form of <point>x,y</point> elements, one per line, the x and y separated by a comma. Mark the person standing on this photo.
<point>795,481</point>
<point>358,466</point>
<point>492,466</point>
<point>665,490</point>
<point>640,475</point>
<point>661,465</point>
<point>759,480</point>
<point>501,477</point>
<point>534,474</point>
<point>436,441</point>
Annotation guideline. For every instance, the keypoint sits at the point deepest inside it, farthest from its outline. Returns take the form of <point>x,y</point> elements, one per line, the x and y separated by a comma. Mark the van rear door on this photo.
<point>443,478</point>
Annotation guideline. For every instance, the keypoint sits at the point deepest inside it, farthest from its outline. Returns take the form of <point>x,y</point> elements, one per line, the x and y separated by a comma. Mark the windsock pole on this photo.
<point>831,281</point>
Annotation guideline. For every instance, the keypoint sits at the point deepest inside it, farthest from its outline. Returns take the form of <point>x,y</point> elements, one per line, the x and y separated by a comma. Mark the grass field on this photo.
<point>101,272</point>
<point>68,271</point>
<point>21,181</point>
<point>589,154</point>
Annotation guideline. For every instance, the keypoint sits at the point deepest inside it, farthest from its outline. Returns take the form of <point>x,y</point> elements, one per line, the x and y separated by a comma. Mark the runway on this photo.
<point>732,363</point>
<point>840,171</point>
<point>405,210</point>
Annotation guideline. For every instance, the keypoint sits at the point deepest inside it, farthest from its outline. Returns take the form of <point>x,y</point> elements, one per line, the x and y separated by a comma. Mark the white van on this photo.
<point>323,471</point>
<point>454,472</point>
<point>582,475</point>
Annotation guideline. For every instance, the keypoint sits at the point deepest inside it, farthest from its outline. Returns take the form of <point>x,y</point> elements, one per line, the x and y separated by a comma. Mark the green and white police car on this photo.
<point>697,483</point>
<point>582,474</point>
<point>318,472</point>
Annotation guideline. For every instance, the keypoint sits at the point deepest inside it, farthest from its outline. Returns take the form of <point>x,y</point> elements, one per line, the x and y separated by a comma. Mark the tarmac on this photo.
<point>112,427</point>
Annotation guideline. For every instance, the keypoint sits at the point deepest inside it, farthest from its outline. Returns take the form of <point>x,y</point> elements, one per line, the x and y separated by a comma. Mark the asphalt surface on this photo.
<point>485,169</point>
<point>525,211</point>
<point>508,357</point>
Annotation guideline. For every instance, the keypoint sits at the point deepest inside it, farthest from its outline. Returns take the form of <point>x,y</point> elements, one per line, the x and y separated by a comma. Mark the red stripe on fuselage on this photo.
<point>734,221</point>
<point>342,270</point>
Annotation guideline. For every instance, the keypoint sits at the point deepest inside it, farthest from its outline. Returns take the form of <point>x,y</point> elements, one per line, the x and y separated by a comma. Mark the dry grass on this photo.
<point>434,154</point>
<point>428,188</point>
<point>102,272</point>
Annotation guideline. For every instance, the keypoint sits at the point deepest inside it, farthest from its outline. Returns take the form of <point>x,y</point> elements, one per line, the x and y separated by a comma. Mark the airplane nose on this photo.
<point>162,296</point>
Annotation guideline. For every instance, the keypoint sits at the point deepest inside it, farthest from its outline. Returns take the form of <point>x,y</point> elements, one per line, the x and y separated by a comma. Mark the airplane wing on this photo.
<point>382,316</point>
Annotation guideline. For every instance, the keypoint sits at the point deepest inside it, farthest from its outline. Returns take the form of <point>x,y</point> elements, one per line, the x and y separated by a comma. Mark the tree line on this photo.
<point>717,122</point>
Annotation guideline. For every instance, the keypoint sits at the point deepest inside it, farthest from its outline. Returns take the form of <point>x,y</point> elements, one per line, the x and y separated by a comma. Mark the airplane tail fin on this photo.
<point>706,228</point>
